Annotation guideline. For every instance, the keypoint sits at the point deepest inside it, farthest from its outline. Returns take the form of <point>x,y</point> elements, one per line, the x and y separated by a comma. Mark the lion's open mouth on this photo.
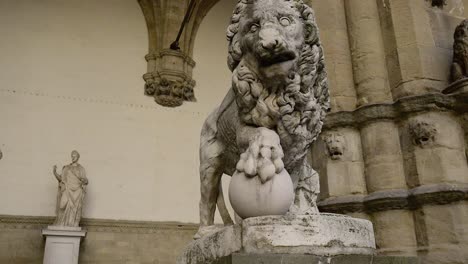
<point>268,59</point>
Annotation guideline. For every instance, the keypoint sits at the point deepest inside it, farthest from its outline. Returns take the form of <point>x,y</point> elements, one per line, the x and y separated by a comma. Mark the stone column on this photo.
<point>335,41</point>
<point>417,47</point>
<point>386,184</point>
<point>367,51</point>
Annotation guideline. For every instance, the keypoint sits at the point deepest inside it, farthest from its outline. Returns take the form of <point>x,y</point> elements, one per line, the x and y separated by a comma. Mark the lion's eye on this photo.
<point>254,27</point>
<point>285,21</point>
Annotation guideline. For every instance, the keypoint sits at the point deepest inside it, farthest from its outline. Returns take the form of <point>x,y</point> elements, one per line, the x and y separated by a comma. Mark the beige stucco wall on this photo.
<point>70,78</point>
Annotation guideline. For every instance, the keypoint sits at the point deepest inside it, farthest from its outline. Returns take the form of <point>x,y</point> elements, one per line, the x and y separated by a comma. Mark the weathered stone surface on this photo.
<point>394,260</point>
<point>324,234</point>
<point>212,247</point>
<point>341,168</point>
<point>382,156</point>
<point>368,54</point>
<point>274,110</point>
<point>392,236</point>
<point>443,193</point>
<point>312,259</point>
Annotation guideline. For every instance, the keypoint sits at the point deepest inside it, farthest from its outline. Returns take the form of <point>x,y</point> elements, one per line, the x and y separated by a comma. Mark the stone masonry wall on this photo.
<point>107,241</point>
<point>399,157</point>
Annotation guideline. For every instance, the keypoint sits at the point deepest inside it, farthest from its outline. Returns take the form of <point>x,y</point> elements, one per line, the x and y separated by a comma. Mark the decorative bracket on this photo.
<point>169,75</point>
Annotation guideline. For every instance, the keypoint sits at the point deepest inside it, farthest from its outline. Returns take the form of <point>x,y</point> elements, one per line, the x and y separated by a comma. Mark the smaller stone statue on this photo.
<point>460,52</point>
<point>71,192</point>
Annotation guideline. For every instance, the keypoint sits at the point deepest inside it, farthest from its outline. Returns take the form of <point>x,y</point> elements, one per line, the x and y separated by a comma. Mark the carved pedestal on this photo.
<point>316,238</point>
<point>312,259</point>
<point>62,244</point>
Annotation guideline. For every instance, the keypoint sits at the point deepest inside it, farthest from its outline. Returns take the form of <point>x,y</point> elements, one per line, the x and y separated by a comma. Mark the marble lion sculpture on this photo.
<point>274,109</point>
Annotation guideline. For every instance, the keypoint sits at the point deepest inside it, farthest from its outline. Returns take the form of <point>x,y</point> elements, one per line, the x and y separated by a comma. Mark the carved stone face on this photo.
<point>461,32</point>
<point>335,143</point>
<point>75,156</point>
<point>422,133</point>
<point>272,33</point>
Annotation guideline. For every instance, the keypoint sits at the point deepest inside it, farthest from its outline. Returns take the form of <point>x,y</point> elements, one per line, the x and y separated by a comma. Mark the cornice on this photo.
<point>392,111</point>
<point>96,225</point>
<point>435,194</point>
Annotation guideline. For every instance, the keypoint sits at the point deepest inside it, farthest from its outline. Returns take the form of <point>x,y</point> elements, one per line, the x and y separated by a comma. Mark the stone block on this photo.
<point>394,260</point>
<point>62,244</point>
<point>214,247</point>
<point>324,235</point>
<point>394,232</point>
<point>312,259</point>
<point>382,156</point>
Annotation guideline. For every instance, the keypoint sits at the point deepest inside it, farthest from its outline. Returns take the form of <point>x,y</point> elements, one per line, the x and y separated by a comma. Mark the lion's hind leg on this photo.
<point>211,171</point>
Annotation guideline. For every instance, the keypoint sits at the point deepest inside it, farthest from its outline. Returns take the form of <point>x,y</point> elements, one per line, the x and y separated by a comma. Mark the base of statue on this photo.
<point>319,235</point>
<point>62,244</point>
<point>240,258</point>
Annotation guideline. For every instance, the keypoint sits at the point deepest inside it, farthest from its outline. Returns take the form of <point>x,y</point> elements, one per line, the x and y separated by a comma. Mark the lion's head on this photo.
<point>278,69</point>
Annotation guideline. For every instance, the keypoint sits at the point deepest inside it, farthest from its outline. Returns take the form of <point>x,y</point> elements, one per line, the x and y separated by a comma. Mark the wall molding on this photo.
<point>102,101</point>
<point>399,199</point>
<point>96,225</point>
<point>398,110</point>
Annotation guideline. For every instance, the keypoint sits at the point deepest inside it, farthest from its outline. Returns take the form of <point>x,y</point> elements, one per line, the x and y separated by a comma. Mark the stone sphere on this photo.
<point>251,198</point>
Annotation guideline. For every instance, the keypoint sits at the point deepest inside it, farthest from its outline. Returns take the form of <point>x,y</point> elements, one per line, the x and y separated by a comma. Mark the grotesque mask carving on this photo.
<point>422,133</point>
<point>336,145</point>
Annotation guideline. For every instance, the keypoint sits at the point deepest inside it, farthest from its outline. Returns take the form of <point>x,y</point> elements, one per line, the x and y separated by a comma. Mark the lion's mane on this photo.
<point>298,110</point>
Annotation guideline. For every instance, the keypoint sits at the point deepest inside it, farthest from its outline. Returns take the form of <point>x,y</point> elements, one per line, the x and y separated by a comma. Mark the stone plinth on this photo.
<point>312,259</point>
<point>62,244</point>
<point>211,248</point>
<point>321,235</point>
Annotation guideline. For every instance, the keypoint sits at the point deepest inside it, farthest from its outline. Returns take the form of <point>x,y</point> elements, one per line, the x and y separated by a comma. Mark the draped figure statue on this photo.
<point>71,192</point>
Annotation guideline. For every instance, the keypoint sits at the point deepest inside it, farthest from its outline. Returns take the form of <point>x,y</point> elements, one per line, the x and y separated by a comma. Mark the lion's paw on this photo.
<point>263,157</point>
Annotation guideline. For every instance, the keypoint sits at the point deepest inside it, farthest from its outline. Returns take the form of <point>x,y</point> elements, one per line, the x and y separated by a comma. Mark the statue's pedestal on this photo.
<point>239,258</point>
<point>320,236</point>
<point>62,244</point>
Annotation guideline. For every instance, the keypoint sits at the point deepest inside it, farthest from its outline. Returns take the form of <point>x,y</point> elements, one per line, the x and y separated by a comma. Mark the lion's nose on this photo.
<point>270,45</point>
<point>269,39</point>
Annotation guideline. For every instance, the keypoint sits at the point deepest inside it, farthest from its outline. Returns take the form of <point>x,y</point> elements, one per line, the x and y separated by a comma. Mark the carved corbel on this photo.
<point>423,134</point>
<point>169,76</point>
